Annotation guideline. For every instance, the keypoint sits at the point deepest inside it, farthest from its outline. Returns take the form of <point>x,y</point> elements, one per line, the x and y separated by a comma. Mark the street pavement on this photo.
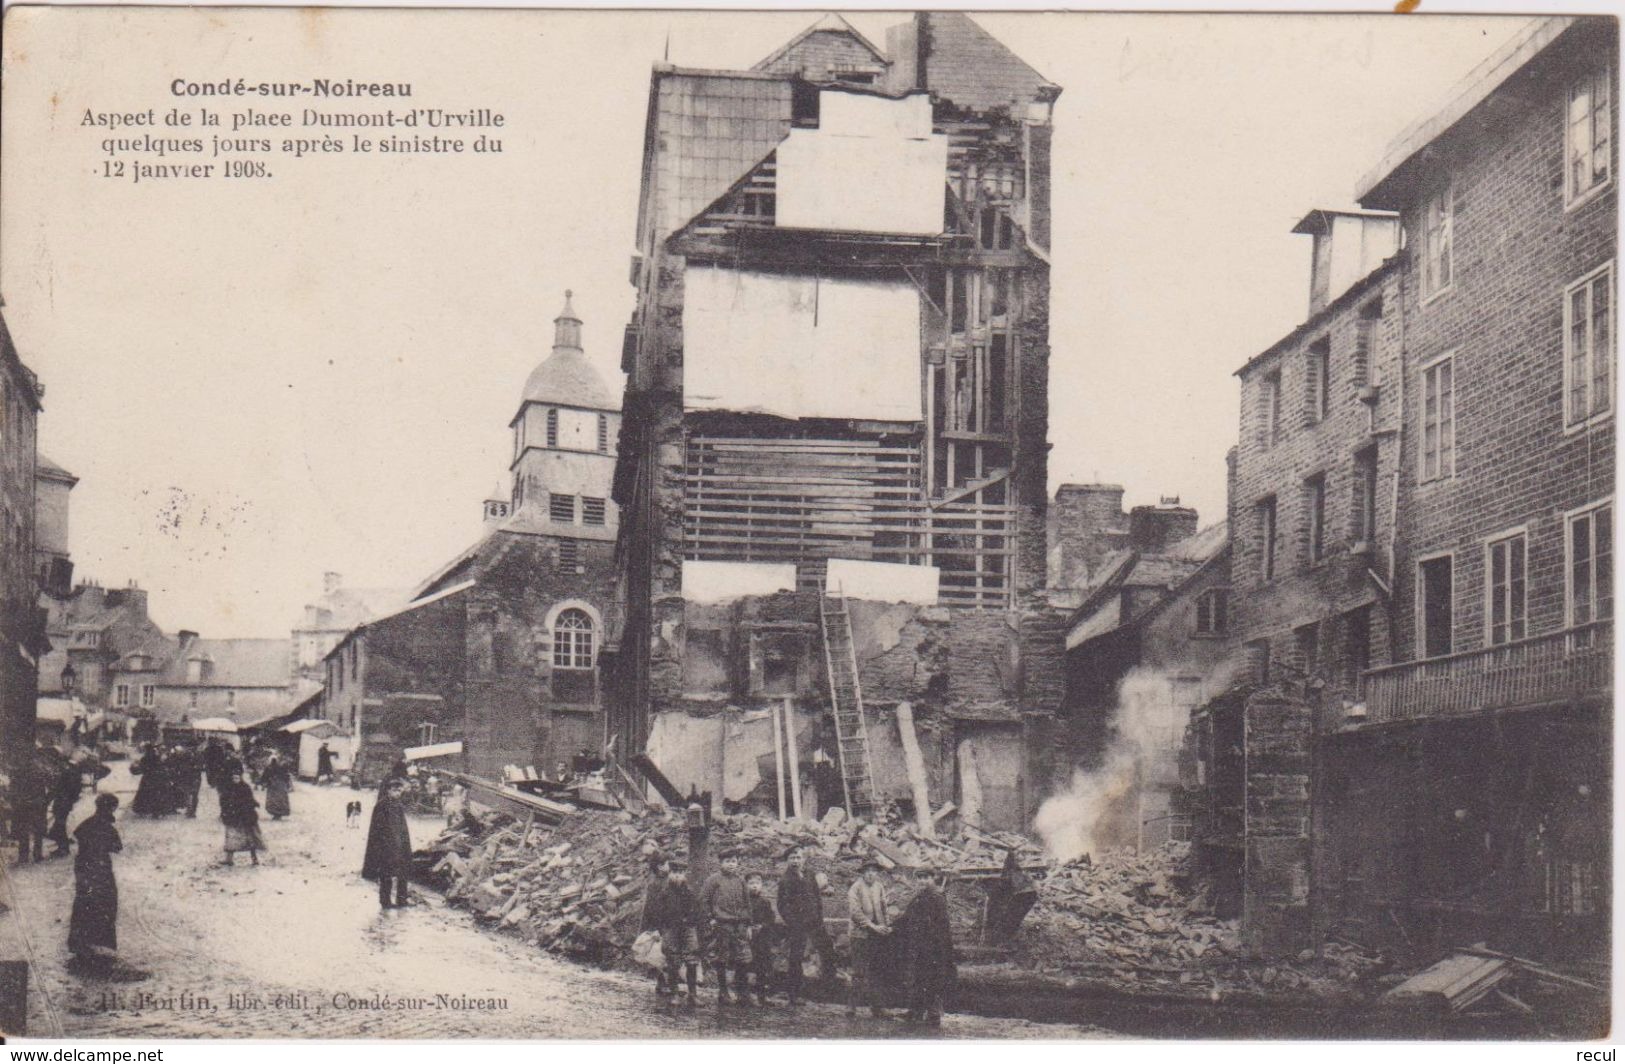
<point>298,948</point>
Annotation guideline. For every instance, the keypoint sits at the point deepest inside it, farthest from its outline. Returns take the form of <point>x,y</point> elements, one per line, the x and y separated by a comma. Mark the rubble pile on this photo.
<point>1118,920</point>
<point>577,888</point>
<point>1137,921</point>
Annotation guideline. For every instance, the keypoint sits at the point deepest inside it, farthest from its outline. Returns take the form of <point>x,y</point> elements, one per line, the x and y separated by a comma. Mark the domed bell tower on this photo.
<point>565,434</point>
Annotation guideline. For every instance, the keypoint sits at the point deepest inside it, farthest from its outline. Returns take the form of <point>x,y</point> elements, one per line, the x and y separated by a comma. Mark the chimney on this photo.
<point>1347,246</point>
<point>1156,528</point>
<point>186,637</point>
<point>1086,521</point>
<point>331,582</point>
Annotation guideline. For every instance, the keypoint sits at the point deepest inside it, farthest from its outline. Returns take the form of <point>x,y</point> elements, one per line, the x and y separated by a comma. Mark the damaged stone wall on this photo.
<point>1277,914</point>
<point>962,673</point>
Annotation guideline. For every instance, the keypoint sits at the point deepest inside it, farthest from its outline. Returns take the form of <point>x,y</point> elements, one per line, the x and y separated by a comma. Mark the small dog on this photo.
<point>352,814</point>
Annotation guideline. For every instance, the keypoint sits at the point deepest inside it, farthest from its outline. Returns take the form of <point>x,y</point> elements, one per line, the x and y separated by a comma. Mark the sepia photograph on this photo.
<point>663,524</point>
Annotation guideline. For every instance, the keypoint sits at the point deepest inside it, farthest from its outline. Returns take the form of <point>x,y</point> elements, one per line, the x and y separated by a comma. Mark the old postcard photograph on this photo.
<point>729,525</point>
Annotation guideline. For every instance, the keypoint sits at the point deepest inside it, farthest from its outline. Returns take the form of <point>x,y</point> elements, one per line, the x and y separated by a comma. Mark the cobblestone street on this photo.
<point>302,937</point>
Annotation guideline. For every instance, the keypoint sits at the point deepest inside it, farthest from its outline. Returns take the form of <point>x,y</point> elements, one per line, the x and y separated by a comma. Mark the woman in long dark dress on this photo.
<point>277,781</point>
<point>93,927</point>
<point>151,797</point>
<point>239,812</point>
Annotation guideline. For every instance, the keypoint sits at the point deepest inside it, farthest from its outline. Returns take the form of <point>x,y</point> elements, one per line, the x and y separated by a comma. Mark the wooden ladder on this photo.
<point>846,700</point>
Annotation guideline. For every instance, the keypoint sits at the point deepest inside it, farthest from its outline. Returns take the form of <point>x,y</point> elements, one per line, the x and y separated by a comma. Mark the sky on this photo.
<point>258,381</point>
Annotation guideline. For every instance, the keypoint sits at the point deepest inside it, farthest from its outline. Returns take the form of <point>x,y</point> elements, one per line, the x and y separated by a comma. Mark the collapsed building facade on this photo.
<point>835,435</point>
<point>1421,511</point>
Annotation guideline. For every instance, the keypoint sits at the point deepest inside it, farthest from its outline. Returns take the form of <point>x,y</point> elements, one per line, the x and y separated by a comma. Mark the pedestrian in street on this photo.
<point>239,812</point>
<point>928,949</point>
<point>150,799</point>
<point>214,764</point>
<point>388,859</point>
<point>653,917</point>
<point>801,907</point>
<point>324,763</point>
<point>764,935</point>
<point>64,796</point>
<point>93,924</point>
<point>187,770</point>
<point>30,798</point>
<point>726,904</point>
<point>870,911</point>
<point>278,781</point>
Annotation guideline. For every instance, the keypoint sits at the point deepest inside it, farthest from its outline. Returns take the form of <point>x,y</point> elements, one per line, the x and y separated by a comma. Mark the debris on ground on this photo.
<point>1117,920</point>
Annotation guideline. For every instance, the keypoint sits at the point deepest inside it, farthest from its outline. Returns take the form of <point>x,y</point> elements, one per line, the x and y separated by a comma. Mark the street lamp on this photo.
<point>70,677</point>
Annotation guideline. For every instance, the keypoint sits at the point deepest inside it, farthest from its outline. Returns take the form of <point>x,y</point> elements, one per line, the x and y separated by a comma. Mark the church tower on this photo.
<point>564,439</point>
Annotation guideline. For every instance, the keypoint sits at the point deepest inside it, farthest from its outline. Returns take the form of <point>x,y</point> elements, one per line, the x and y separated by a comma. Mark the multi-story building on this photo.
<point>191,678</point>
<point>1422,501</point>
<point>330,618</point>
<point>838,363</point>
<point>22,626</point>
<point>53,560</point>
<point>499,647</point>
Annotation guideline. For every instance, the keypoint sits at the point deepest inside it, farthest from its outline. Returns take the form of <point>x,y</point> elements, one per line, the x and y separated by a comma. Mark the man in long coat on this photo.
<point>389,846</point>
<point>928,949</point>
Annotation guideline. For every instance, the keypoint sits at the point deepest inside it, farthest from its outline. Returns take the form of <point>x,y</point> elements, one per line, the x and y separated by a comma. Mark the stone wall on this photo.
<point>1276,917</point>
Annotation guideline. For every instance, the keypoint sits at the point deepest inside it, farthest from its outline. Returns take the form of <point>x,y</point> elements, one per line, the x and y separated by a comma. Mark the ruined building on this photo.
<point>1422,511</point>
<point>837,383</point>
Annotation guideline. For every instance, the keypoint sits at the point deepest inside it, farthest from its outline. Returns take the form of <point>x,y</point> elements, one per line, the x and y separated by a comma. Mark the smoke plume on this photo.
<point>1099,807</point>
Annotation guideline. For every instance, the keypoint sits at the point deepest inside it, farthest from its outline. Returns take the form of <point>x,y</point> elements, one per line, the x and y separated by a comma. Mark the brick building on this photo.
<point>829,371</point>
<point>1422,498</point>
<point>499,648</point>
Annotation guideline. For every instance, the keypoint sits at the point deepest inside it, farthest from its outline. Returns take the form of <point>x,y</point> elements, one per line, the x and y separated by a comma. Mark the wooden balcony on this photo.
<point>1562,666</point>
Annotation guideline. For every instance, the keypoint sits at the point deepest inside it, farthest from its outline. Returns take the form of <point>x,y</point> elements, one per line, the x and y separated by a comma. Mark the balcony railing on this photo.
<point>1550,668</point>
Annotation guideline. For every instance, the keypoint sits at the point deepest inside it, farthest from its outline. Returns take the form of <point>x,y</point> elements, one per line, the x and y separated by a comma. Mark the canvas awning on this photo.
<point>421,753</point>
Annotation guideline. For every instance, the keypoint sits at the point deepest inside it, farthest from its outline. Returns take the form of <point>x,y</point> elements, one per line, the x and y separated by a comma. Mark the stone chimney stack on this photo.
<point>1156,528</point>
<point>331,583</point>
<point>1086,521</point>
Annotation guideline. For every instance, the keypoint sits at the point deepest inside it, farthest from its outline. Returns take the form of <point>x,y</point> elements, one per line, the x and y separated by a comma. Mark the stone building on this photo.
<point>53,560</point>
<point>192,678</point>
<point>1421,501</point>
<point>329,619</point>
<point>835,384</point>
<point>499,648</point>
<point>22,625</point>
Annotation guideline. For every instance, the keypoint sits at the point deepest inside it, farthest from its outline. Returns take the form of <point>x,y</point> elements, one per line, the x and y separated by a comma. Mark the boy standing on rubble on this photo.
<point>764,934</point>
<point>725,902</point>
<point>801,907</point>
<point>928,948</point>
<point>870,911</point>
<point>675,914</point>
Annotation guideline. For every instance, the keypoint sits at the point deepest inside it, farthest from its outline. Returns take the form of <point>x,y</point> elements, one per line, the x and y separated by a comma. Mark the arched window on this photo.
<point>573,640</point>
<point>552,428</point>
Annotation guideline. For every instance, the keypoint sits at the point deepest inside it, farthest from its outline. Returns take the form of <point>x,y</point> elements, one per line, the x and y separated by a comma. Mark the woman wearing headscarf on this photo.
<point>239,812</point>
